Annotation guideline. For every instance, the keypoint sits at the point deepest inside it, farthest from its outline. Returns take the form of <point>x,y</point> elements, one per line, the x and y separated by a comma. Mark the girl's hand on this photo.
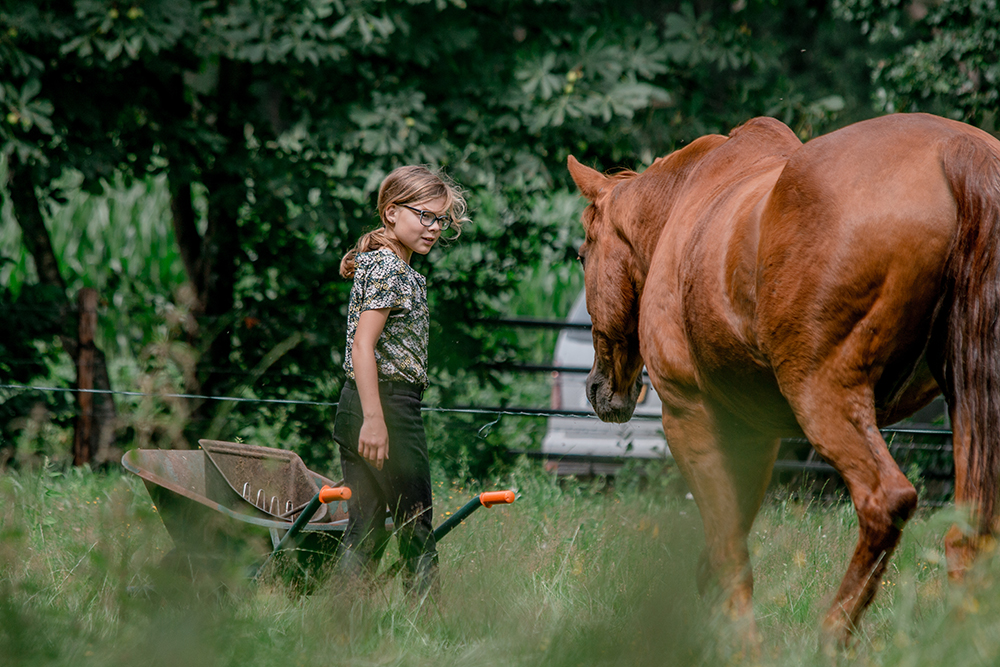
<point>373,442</point>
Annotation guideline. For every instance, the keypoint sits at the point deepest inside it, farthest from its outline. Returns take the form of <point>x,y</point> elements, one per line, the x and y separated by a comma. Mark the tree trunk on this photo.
<point>186,232</point>
<point>211,259</point>
<point>82,435</point>
<point>210,263</point>
<point>28,213</point>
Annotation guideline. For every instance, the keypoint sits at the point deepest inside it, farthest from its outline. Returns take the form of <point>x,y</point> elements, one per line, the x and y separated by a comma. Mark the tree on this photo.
<point>274,122</point>
<point>941,57</point>
<point>44,134</point>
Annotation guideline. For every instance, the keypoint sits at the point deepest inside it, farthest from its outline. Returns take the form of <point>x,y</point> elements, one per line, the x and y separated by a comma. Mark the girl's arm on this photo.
<point>373,442</point>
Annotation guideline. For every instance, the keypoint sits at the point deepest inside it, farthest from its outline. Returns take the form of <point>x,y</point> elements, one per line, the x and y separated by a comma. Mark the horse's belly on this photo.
<point>727,377</point>
<point>751,395</point>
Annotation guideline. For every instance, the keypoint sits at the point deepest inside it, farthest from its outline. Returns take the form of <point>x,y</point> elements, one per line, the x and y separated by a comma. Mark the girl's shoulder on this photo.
<point>383,258</point>
<point>383,262</point>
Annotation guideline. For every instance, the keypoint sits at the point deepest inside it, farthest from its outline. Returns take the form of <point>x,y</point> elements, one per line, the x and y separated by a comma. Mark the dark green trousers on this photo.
<point>402,488</point>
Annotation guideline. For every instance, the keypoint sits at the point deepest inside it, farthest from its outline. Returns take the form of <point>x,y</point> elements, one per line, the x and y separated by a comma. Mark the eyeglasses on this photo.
<point>427,218</point>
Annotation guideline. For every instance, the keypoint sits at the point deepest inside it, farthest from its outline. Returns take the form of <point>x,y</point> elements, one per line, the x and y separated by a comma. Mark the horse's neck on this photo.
<point>641,225</point>
<point>761,144</point>
<point>642,235</point>
<point>651,195</point>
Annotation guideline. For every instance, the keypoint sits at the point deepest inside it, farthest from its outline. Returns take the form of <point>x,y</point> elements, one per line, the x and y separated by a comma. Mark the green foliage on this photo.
<point>285,116</point>
<point>695,40</point>
<point>944,57</point>
<point>111,33</point>
<point>28,350</point>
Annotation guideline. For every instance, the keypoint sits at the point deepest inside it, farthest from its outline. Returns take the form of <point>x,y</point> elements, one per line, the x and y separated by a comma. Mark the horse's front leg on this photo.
<point>728,469</point>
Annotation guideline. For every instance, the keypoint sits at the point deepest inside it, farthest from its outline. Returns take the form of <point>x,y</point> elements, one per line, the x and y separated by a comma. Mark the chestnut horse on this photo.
<point>774,288</point>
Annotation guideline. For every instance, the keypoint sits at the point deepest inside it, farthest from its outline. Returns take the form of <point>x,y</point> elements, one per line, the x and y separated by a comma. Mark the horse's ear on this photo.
<point>590,181</point>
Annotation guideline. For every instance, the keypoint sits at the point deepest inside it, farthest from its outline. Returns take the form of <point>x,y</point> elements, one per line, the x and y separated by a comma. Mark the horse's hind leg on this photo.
<point>839,421</point>
<point>963,544</point>
<point>728,470</point>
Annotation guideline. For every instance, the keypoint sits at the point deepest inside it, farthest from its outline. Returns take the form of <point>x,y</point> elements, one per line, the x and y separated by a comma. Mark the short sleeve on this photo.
<point>382,279</point>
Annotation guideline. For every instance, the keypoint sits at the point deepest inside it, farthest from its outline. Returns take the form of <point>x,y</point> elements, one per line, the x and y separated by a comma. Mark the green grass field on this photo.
<point>571,574</point>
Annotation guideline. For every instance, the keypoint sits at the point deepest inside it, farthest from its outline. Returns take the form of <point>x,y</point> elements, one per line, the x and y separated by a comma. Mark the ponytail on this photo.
<point>373,240</point>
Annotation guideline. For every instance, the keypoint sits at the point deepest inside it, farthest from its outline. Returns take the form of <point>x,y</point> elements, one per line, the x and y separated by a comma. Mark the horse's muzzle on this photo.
<point>611,406</point>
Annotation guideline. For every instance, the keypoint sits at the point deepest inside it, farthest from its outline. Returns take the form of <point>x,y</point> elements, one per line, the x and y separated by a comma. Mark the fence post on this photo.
<point>82,436</point>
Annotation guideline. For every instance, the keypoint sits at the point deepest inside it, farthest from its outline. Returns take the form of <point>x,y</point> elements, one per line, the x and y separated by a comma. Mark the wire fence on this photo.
<point>487,410</point>
<point>927,448</point>
<point>484,410</point>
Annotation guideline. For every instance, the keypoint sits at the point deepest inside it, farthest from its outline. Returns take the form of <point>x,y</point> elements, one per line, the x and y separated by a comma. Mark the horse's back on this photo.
<point>856,201</point>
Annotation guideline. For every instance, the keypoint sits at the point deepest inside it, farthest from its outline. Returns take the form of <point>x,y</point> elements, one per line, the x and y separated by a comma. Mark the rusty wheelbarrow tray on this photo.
<point>231,498</point>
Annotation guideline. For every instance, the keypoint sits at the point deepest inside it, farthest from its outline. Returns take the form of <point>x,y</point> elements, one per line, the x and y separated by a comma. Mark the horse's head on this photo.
<point>612,297</point>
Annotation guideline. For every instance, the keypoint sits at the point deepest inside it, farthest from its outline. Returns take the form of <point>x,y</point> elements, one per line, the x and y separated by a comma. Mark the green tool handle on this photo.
<point>326,495</point>
<point>456,518</point>
<point>486,499</point>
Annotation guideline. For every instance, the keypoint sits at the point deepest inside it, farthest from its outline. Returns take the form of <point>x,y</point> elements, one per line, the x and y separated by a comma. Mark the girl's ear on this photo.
<point>391,211</point>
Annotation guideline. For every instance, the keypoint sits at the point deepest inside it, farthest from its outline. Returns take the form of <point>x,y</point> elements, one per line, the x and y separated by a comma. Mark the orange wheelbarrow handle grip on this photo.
<point>490,498</point>
<point>485,499</point>
<point>329,494</point>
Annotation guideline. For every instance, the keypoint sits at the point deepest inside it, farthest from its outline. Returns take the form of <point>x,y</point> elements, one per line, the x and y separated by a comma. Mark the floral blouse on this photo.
<point>383,280</point>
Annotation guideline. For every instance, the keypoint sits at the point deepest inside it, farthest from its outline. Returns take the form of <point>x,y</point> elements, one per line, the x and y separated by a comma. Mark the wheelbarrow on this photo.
<point>227,499</point>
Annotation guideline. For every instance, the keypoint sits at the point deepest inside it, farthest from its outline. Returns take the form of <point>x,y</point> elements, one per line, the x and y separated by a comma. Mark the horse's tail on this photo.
<point>972,348</point>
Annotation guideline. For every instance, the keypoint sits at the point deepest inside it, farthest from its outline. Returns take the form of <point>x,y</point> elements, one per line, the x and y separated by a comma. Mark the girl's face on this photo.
<point>404,224</point>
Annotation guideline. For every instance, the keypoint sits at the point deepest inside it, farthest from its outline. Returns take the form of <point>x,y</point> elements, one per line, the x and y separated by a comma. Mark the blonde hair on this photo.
<point>408,185</point>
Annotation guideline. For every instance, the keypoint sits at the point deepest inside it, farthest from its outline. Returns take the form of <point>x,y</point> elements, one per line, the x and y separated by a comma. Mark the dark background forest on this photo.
<point>202,166</point>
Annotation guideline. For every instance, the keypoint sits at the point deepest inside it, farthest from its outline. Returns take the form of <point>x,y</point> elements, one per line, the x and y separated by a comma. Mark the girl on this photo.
<point>378,426</point>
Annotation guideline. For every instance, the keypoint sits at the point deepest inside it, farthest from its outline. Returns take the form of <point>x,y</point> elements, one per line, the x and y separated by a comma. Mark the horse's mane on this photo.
<point>697,148</point>
<point>623,174</point>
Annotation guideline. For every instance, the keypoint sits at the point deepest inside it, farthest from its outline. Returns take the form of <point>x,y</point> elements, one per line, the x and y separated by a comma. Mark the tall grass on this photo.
<point>571,574</point>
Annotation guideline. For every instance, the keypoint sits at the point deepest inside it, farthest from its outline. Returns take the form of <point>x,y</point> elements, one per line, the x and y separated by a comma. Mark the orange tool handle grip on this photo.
<point>490,498</point>
<point>328,494</point>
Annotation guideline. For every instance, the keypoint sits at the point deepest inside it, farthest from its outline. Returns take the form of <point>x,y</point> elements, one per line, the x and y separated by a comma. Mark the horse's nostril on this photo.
<point>591,388</point>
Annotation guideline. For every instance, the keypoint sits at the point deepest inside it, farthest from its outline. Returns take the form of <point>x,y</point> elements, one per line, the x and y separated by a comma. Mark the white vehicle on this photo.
<point>572,438</point>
